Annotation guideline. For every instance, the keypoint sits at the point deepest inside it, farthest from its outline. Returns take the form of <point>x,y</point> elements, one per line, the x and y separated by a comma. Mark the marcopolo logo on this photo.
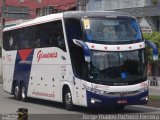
<point>41,55</point>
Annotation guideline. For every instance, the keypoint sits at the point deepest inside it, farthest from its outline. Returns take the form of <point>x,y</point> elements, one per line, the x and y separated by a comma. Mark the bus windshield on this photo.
<point>112,67</point>
<point>112,30</point>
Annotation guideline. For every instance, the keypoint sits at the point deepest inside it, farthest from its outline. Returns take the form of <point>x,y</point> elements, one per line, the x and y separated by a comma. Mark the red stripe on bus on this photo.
<point>24,53</point>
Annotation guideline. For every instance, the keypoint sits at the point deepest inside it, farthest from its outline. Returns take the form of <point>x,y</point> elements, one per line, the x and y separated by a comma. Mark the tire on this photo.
<point>23,93</point>
<point>17,92</point>
<point>68,99</point>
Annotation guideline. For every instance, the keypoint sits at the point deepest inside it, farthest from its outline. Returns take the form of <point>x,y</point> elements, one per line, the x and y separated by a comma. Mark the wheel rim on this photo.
<point>68,99</point>
<point>16,91</point>
<point>23,93</point>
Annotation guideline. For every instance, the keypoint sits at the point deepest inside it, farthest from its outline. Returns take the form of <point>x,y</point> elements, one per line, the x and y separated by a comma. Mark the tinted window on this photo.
<point>44,35</point>
<point>126,66</point>
<point>74,31</point>
<point>26,38</point>
<point>113,31</point>
<point>10,40</point>
<point>50,35</point>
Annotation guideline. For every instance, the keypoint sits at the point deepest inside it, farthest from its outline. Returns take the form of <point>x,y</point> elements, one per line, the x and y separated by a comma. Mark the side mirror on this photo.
<point>85,48</point>
<point>154,49</point>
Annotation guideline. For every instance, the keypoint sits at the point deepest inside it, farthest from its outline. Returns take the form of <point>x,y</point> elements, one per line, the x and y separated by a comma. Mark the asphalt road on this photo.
<point>45,110</point>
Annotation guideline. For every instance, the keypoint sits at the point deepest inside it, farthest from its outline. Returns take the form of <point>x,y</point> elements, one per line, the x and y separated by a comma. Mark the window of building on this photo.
<point>39,1</point>
<point>20,0</point>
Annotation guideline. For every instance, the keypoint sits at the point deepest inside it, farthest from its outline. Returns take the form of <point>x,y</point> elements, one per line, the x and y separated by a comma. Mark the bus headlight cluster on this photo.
<point>145,98</point>
<point>93,100</point>
<point>142,90</point>
<point>88,88</point>
<point>96,91</point>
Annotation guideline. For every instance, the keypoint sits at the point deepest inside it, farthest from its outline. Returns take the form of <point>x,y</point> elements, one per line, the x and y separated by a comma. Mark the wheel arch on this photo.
<point>65,86</point>
<point>15,82</point>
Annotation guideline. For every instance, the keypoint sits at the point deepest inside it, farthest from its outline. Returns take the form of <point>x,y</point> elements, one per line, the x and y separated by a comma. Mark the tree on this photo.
<point>155,38</point>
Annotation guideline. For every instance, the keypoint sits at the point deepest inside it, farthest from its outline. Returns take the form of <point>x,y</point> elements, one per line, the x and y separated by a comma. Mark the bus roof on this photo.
<point>36,21</point>
<point>68,14</point>
<point>82,14</point>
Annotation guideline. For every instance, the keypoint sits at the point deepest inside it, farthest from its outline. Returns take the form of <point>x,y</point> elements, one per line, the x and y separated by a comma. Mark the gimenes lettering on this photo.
<point>41,55</point>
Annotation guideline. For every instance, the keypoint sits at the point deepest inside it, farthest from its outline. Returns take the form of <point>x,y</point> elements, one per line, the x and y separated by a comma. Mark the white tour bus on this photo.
<point>84,58</point>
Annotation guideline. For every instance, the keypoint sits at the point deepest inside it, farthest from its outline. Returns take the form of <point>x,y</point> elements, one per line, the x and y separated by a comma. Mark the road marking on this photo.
<point>147,107</point>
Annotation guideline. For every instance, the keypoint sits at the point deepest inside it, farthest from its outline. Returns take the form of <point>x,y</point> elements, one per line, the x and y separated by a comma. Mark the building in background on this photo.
<point>37,8</point>
<point>147,11</point>
<point>44,6</point>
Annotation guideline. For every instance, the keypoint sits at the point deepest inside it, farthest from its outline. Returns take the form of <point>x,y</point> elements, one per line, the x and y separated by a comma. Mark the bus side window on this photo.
<point>59,36</point>
<point>29,37</point>
<point>56,37</point>
<point>37,36</point>
<point>51,35</point>
<point>40,39</point>
<point>22,38</point>
<point>11,40</point>
<point>6,40</point>
<point>26,38</point>
<point>32,36</point>
<point>43,36</point>
<point>15,40</point>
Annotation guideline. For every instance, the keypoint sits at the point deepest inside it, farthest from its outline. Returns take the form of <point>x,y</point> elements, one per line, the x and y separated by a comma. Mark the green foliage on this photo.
<point>155,2</point>
<point>154,97</point>
<point>155,38</point>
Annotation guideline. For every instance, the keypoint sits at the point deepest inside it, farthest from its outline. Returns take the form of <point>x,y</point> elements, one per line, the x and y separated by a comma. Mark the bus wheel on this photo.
<point>23,93</point>
<point>68,99</point>
<point>17,92</point>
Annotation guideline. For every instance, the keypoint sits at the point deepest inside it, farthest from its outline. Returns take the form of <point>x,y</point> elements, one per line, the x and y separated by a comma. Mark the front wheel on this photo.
<point>68,99</point>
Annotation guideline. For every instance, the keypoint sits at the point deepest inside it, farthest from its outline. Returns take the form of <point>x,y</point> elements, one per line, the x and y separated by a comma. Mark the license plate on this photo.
<point>122,101</point>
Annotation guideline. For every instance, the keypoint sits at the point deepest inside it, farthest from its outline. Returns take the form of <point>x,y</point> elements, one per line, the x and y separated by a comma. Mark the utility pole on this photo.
<point>81,5</point>
<point>78,5</point>
<point>2,24</point>
<point>1,33</point>
<point>3,19</point>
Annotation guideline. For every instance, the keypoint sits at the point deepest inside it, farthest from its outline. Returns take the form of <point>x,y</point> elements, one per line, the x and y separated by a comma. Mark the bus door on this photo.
<point>74,31</point>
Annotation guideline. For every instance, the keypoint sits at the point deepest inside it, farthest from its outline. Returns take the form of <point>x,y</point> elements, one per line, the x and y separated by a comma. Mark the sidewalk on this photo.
<point>154,90</point>
<point>1,80</point>
<point>0,71</point>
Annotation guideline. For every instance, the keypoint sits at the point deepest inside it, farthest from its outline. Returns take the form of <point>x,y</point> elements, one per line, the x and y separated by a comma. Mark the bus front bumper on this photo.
<point>97,100</point>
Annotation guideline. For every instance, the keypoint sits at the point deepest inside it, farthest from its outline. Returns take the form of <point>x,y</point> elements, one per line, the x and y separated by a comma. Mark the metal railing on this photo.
<point>154,81</point>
